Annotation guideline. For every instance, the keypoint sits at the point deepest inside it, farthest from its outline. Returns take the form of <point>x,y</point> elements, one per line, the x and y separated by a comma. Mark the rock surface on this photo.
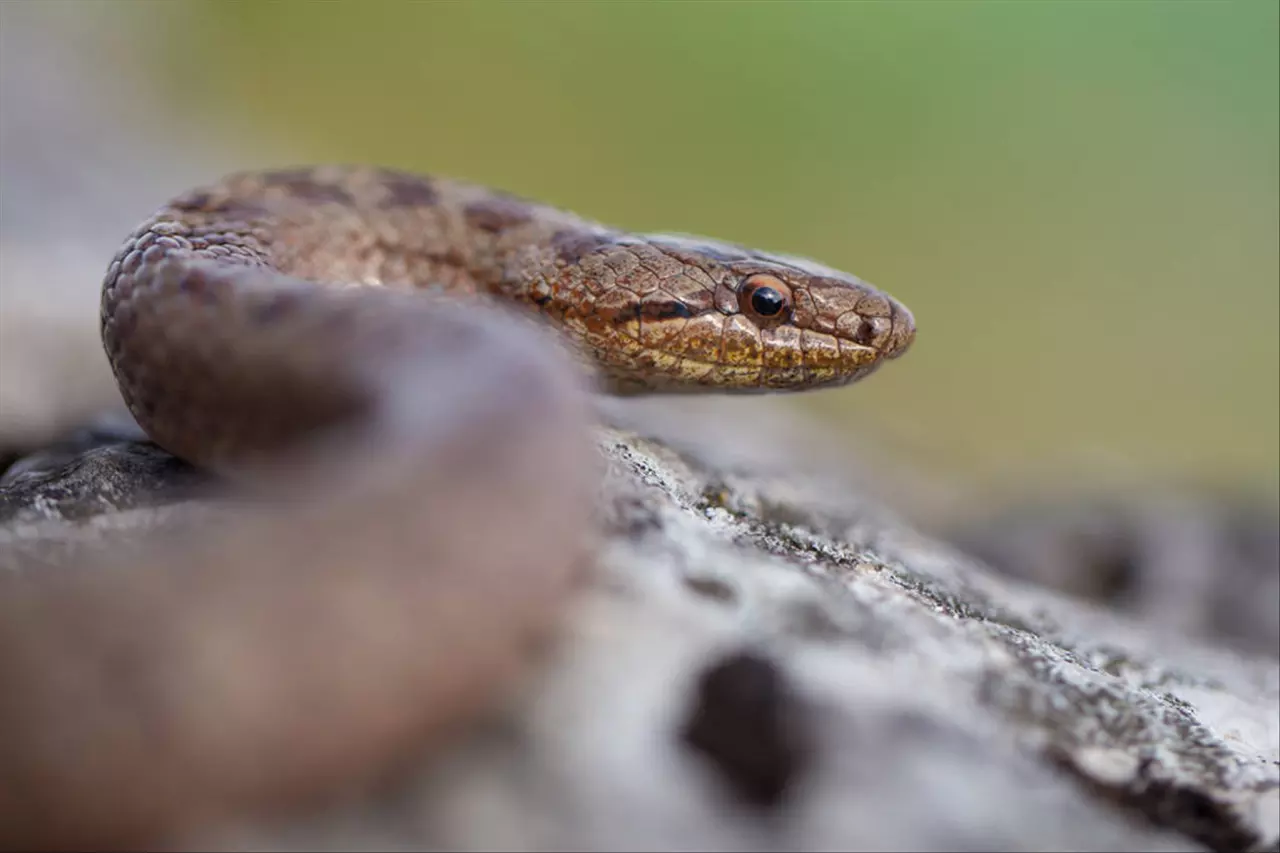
<point>765,659</point>
<point>1200,561</point>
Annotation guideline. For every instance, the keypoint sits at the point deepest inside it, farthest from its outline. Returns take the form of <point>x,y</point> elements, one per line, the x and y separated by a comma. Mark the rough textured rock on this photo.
<point>1197,560</point>
<point>766,659</point>
<point>105,467</point>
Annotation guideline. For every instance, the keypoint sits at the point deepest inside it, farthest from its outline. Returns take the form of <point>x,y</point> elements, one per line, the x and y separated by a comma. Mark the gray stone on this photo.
<point>766,659</point>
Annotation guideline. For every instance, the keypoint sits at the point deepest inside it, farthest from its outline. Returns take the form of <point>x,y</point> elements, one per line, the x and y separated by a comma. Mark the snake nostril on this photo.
<point>865,334</point>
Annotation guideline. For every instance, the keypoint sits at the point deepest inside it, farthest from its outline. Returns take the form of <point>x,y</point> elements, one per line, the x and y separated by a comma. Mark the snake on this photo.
<point>395,373</point>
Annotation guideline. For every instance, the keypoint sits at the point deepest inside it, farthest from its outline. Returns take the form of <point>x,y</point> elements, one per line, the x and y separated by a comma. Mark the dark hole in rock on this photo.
<point>748,724</point>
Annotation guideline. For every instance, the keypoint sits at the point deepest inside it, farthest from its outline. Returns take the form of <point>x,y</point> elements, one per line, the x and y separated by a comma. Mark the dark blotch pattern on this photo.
<point>287,177</point>
<point>204,202</point>
<point>650,310</point>
<point>497,214</point>
<point>748,725</point>
<point>196,201</point>
<point>663,310</point>
<point>572,246</point>
<point>403,190</point>
<point>303,184</point>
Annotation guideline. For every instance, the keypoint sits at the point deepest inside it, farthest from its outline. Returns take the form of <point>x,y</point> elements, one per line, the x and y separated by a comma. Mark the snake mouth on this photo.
<point>742,324</point>
<point>650,347</point>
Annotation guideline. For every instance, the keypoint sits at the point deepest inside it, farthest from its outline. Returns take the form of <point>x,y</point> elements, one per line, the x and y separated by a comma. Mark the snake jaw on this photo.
<point>672,315</point>
<point>839,329</point>
<point>834,334</point>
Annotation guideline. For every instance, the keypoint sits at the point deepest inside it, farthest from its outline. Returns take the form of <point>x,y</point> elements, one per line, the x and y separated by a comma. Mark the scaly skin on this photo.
<point>432,469</point>
<point>645,313</point>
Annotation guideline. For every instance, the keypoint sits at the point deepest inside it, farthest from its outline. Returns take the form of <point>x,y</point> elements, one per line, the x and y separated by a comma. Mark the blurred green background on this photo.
<point>1078,200</point>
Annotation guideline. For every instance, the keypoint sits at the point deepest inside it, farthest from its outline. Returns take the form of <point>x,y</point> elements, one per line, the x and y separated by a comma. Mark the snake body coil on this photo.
<point>335,336</point>
<point>650,313</point>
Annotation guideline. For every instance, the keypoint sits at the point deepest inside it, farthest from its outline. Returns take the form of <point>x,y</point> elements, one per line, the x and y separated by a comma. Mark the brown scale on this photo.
<point>245,324</point>
<point>649,313</point>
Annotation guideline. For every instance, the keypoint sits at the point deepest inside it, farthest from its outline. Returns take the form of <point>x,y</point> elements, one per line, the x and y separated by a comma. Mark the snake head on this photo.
<point>672,313</point>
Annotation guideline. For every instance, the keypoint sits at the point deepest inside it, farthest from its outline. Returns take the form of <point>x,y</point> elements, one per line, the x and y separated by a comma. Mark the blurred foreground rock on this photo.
<point>765,659</point>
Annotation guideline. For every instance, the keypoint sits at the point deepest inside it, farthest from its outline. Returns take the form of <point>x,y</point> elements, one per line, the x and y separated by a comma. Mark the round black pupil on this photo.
<point>766,301</point>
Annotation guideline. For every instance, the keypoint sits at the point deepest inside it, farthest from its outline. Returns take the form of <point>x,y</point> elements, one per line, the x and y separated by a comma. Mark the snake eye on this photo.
<point>764,296</point>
